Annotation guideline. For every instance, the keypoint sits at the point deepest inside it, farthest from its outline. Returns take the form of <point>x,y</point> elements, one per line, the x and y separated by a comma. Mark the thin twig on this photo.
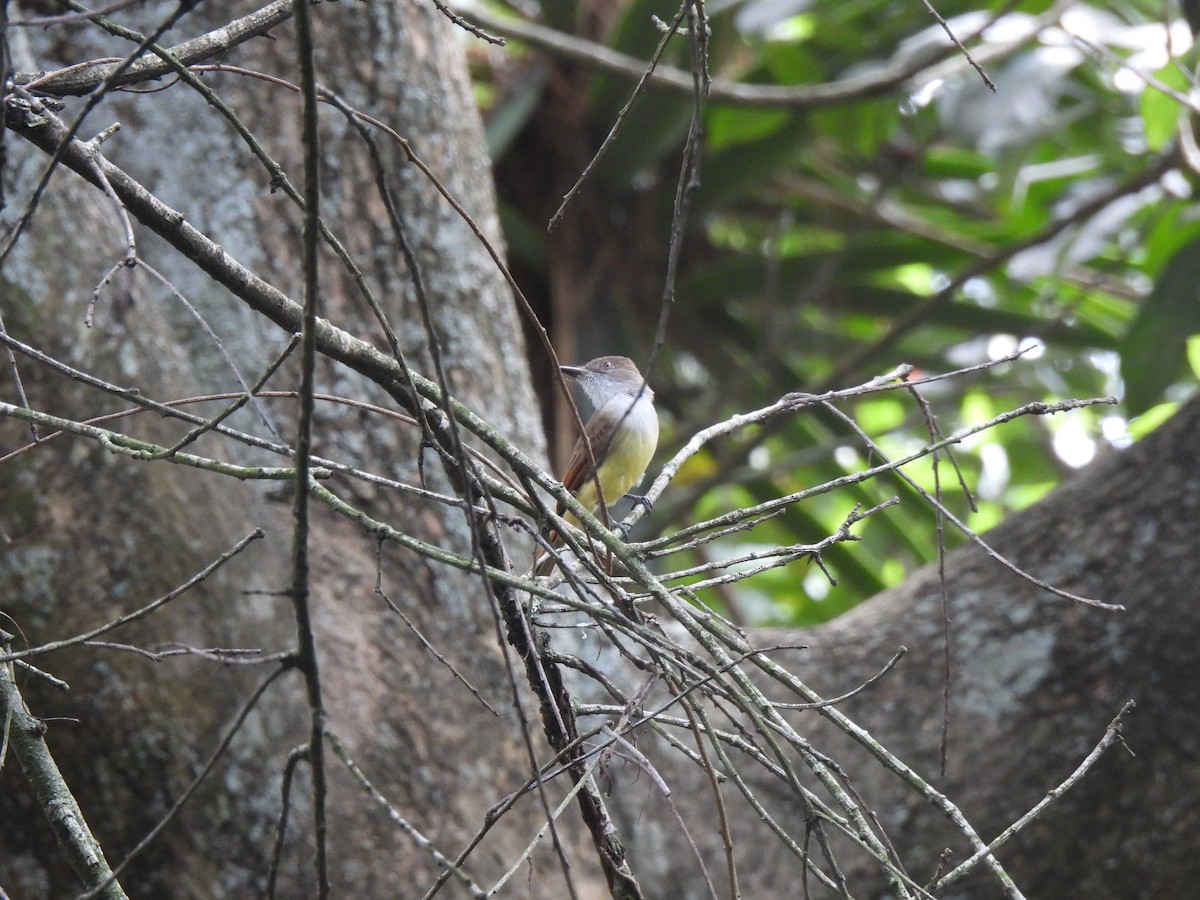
<point>1032,408</point>
<point>821,704</point>
<point>306,644</point>
<point>170,409</point>
<point>143,611</point>
<point>467,26</point>
<point>145,451</point>
<point>226,656</point>
<point>87,77</point>
<point>615,129</point>
<point>1036,408</point>
<point>298,755</point>
<point>56,155</point>
<point>220,345</point>
<point>883,79</point>
<point>1112,734</point>
<point>425,642</point>
<point>217,753</point>
<point>957,43</point>
<point>454,869</point>
<point>944,595</point>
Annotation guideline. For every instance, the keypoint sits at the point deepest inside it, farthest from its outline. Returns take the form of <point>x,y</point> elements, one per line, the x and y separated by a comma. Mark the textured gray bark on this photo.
<point>90,535</point>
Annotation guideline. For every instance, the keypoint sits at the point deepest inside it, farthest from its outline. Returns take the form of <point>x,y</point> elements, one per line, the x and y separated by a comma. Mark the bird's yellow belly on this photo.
<point>623,466</point>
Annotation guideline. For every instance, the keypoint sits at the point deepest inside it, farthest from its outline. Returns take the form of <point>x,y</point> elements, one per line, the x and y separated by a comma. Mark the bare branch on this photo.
<point>85,78</point>
<point>53,795</point>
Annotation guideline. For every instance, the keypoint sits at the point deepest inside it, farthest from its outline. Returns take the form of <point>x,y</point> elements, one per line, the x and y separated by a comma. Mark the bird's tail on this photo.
<point>543,560</point>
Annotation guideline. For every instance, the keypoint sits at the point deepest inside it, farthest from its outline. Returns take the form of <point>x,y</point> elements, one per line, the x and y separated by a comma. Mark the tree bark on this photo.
<point>90,535</point>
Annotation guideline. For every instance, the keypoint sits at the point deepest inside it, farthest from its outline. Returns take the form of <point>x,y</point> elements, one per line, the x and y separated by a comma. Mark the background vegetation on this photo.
<point>865,197</point>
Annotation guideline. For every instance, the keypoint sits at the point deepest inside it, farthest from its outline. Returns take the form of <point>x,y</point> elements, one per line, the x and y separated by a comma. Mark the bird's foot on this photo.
<point>641,500</point>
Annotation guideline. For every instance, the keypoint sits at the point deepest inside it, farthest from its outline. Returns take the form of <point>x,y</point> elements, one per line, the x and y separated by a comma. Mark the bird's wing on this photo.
<point>577,468</point>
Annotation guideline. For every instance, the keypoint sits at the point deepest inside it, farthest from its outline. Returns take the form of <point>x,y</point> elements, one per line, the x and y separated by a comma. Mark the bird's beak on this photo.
<point>572,371</point>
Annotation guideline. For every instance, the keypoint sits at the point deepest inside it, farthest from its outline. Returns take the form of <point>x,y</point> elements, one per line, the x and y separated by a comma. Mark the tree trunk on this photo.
<point>90,535</point>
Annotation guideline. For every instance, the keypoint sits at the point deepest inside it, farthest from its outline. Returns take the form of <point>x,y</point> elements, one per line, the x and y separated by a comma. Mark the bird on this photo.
<point>622,431</point>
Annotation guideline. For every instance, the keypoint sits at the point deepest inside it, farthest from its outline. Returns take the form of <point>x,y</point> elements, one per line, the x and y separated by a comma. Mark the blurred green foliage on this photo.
<point>929,222</point>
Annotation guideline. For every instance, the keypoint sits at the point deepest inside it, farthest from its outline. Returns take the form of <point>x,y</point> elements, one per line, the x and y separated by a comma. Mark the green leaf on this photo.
<point>1193,354</point>
<point>1152,418</point>
<point>1154,351</point>
<point>1160,111</point>
<point>728,125</point>
<point>1175,225</point>
<point>880,414</point>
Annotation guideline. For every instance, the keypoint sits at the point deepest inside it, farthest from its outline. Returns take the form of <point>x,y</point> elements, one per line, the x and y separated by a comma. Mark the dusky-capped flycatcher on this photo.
<point>623,432</point>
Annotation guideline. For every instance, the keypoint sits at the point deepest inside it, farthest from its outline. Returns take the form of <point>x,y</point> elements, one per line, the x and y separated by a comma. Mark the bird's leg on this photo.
<point>638,500</point>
